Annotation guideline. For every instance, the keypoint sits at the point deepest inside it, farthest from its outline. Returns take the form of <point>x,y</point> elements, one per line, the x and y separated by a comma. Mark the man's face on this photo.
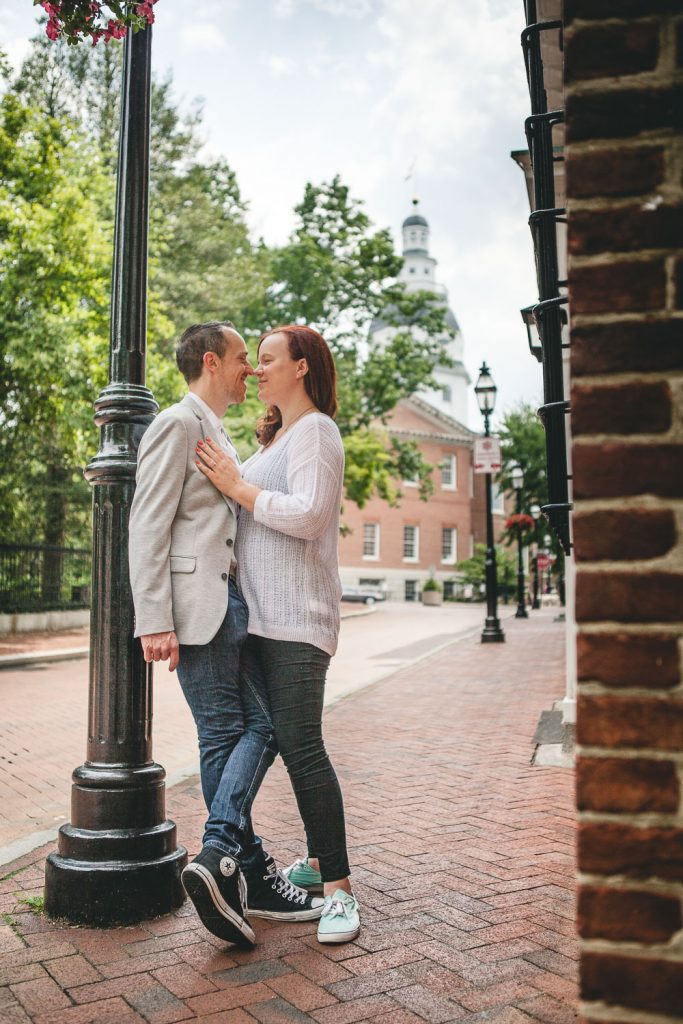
<point>233,369</point>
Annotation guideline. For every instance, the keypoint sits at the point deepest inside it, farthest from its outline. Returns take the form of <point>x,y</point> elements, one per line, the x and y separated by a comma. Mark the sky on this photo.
<point>301,90</point>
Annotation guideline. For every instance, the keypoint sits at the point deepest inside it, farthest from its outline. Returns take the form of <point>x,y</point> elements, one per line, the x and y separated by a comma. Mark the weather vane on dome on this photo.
<point>411,176</point>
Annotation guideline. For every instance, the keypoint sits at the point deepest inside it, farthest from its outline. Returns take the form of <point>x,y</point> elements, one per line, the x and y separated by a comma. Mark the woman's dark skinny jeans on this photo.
<point>294,675</point>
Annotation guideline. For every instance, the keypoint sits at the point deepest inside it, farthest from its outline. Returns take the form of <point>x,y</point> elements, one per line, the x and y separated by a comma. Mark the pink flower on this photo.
<point>52,30</point>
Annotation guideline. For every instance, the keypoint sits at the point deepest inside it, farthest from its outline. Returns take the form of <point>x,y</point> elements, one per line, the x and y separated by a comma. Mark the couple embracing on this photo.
<point>235,582</point>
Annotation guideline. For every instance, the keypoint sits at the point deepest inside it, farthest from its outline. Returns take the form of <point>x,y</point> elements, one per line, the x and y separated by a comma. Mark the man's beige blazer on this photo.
<point>182,532</point>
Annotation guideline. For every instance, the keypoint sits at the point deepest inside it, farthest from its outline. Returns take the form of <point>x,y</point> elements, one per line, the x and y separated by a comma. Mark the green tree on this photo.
<point>473,570</point>
<point>338,274</point>
<point>54,255</point>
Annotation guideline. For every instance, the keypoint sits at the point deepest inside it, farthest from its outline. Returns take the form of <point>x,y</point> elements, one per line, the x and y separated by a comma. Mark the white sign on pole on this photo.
<point>486,455</point>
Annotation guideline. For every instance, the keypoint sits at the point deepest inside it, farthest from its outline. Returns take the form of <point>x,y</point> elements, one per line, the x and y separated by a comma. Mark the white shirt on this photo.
<point>221,437</point>
<point>287,547</point>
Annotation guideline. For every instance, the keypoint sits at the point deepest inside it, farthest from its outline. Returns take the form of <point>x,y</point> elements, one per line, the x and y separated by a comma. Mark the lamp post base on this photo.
<point>521,612</point>
<point>492,632</point>
<point>113,892</point>
<point>117,862</point>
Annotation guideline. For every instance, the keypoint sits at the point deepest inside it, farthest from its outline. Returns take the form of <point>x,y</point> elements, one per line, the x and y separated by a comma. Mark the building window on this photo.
<point>446,393</point>
<point>412,270</point>
<point>497,499</point>
<point>411,590</point>
<point>449,545</point>
<point>448,589</point>
<point>411,543</point>
<point>371,540</point>
<point>413,236</point>
<point>449,473</point>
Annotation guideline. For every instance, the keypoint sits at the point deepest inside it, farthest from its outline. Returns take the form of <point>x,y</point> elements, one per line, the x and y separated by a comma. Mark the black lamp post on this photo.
<point>536,515</point>
<point>118,860</point>
<point>485,390</point>
<point>518,484</point>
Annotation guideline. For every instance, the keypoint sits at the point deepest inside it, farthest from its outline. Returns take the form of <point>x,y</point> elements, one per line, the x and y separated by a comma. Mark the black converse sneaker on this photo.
<point>273,896</point>
<point>216,886</point>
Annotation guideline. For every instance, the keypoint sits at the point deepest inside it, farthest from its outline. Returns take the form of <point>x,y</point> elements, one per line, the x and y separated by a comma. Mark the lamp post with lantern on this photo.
<point>485,390</point>
<point>518,483</point>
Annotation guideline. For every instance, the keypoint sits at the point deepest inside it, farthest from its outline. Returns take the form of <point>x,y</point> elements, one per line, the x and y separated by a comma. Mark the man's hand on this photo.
<point>161,647</point>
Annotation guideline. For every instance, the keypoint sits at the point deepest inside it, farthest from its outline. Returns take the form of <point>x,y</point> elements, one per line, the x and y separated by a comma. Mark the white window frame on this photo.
<point>415,557</point>
<point>453,557</point>
<point>451,460</point>
<point>497,499</point>
<point>374,557</point>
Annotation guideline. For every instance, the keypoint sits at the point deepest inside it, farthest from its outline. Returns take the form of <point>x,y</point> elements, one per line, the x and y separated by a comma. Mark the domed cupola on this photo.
<point>415,232</point>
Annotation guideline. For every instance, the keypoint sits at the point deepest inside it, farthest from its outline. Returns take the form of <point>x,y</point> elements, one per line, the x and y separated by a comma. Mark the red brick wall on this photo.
<point>444,508</point>
<point>624,101</point>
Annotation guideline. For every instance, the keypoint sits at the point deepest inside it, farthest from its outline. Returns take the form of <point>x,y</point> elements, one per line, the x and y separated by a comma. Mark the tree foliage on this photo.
<point>58,143</point>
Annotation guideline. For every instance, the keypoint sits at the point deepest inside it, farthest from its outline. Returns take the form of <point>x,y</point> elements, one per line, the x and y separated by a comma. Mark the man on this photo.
<point>190,612</point>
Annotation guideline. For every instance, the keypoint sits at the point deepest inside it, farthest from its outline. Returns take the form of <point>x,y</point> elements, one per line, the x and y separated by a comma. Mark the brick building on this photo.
<point>623,98</point>
<point>398,549</point>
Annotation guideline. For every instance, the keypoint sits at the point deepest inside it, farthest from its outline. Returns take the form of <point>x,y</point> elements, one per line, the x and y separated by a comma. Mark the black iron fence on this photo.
<point>40,579</point>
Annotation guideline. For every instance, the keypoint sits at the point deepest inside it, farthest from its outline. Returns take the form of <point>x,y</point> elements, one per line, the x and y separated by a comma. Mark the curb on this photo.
<point>35,657</point>
<point>25,658</point>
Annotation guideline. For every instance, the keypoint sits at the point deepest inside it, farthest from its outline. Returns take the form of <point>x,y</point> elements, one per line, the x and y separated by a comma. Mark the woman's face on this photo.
<point>279,376</point>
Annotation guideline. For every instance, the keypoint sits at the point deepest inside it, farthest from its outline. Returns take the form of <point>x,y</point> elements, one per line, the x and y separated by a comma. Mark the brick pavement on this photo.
<point>462,856</point>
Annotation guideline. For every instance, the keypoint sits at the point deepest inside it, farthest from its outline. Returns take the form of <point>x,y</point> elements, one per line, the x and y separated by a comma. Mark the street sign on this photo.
<point>487,455</point>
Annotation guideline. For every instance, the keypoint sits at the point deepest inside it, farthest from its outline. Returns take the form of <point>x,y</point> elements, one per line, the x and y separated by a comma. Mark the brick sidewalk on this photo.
<point>463,861</point>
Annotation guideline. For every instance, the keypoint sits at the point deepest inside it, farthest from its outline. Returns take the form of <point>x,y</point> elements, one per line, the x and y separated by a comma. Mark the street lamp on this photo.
<point>536,515</point>
<point>118,860</point>
<point>518,484</point>
<point>485,390</point>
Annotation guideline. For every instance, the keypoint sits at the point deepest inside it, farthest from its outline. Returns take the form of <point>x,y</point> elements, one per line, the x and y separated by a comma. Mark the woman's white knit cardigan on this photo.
<point>286,549</point>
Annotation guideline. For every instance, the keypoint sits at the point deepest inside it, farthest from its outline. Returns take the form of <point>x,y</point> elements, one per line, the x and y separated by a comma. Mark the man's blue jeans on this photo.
<point>236,744</point>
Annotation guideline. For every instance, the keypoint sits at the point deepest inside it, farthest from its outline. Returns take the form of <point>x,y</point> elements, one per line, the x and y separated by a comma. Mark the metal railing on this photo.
<point>35,578</point>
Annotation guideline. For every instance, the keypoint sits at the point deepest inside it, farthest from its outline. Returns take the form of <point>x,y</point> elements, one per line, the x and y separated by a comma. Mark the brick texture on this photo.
<point>629,596</point>
<point>622,287</point>
<point>634,722</point>
<point>469,920</point>
<point>624,534</point>
<point>648,661</point>
<point>621,470</point>
<point>634,785</point>
<point>639,170</point>
<point>627,916</point>
<point>624,113</point>
<point>652,985</point>
<point>609,848</point>
<point>601,51</point>
<point>643,408</point>
<point>627,346</point>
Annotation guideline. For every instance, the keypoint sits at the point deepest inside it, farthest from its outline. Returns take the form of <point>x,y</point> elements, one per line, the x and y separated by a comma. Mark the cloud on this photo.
<point>455,73</point>
<point>203,35</point>
<point>279,67</point>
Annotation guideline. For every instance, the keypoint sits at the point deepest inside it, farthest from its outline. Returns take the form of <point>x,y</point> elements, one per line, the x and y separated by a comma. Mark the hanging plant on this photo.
<point>520,519</point>
<point>75,20</point>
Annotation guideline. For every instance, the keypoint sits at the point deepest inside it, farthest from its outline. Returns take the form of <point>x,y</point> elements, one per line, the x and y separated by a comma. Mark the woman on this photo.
<point>290,494</point>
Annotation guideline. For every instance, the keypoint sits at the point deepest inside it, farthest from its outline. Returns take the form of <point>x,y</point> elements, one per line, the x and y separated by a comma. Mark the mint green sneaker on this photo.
<point>340,920</point>
<point>301,874</point>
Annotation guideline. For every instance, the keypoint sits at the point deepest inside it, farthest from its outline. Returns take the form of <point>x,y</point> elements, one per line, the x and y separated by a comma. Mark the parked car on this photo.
<point>364,595</point>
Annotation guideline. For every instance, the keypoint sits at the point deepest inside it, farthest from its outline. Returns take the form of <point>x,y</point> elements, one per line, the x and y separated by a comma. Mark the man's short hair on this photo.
<point>196,341</point>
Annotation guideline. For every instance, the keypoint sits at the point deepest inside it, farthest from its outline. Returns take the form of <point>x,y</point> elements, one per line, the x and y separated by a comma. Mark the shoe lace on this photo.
<point>288,890</point>
<point>335,907</point>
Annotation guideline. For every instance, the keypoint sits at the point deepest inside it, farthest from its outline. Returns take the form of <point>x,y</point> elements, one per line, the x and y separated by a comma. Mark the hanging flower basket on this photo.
<point>75,20</point>
<point>520,519</point>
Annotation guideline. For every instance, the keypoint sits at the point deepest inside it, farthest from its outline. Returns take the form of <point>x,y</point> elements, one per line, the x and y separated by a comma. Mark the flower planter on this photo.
<point>432,597</point>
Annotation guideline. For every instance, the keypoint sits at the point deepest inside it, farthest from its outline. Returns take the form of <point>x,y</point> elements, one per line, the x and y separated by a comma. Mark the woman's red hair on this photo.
<point>320,382</point>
